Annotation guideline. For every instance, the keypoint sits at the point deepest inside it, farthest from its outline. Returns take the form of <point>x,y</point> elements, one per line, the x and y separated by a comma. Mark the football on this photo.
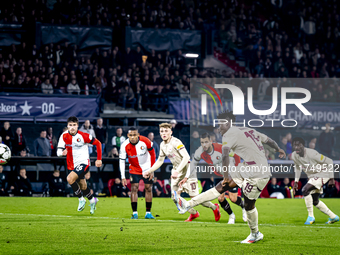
<point>5,154</point>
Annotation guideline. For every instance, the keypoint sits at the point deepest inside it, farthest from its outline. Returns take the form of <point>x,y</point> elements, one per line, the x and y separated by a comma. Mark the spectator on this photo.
<point>88,128</point>
<point>127,97</point>
<point>73,87</point>
<point>23,153</point>
<point>7,134</point>
<point>42,145</point>
<point>52,140</point>
<point>286,187</point>
<point>113,153</point>
<point>3,182</point>
<point>326,141</point>
<point>22,186</point>
<point>118,190</point>
<point>101,133</point>
<point>274,189</point>
<point>151,137</point>
<point>46,87</point>
<point>157,190</point>
<point>19,142</point>
<point>118,139</point>
<point>56,185</point>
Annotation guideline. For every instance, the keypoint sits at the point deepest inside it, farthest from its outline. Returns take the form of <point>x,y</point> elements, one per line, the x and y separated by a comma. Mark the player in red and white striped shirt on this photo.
<point>74,145</point>
<point>141,156</point>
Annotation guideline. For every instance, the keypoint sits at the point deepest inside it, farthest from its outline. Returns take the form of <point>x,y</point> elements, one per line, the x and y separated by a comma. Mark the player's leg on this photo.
<point>178,200</point>
<point>209,195</point>
<point>87,193</point>
<point>226,207</point>
<point>148,200</point>
<point>233,196</point>
<point>323,208</point>
<point>72,180</point>
<point>306,190</point>
<point>134,199</point>
<point>252,189</point>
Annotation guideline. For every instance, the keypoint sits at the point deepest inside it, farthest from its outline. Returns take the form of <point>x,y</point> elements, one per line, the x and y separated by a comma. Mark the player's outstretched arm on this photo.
<point>274,145</point>
<point>155,166</point>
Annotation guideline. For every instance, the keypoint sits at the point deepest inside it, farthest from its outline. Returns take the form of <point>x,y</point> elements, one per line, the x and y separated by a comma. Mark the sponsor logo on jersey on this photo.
<point>322,156</point>
<point>224,143</point>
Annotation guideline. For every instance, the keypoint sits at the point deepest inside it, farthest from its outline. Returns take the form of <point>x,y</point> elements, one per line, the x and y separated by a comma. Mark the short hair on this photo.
<point>165,125</point>
<point>43,130</point>
<point>132,129</point>
<point>73,119</point>
<point>56,170</point>
<point>205,135</point>
<point>300,140</point>
<point>227,115</point>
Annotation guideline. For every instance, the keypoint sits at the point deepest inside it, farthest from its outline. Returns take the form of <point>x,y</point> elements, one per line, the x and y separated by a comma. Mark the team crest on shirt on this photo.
<point>218,157</point>
<point>142,147</point>
<point>78,140</point>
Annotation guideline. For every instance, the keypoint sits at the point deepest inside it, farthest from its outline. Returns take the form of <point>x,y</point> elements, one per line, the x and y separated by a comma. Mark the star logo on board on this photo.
<point>25,108</point>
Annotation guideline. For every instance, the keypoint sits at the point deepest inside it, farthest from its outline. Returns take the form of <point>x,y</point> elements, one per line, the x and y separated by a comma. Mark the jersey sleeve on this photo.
<point>313,154</point>
<point>122,152</point>
<point>88,138</point>
<point>178,145</point>
<point>161,150</point>
<point>61,145</point>
<point>229,139</point>
<point>198,154</point>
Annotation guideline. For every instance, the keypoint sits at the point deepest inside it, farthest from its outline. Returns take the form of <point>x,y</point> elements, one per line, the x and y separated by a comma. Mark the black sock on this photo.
<point>239,202</point>
<point>134,206</point>
<point>226,206</point>
<point>148,206</point>
<point>87,193</point>
<point>76,189</point>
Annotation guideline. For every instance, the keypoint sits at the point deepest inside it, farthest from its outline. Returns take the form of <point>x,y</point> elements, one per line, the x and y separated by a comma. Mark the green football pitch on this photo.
<point>53,226</point>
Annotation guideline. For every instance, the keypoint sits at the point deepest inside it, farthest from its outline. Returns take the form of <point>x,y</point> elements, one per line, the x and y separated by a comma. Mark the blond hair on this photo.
<point>165,125</point>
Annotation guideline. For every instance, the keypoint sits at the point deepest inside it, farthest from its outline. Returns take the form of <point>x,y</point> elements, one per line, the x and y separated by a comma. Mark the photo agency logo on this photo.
<point>239,104</point>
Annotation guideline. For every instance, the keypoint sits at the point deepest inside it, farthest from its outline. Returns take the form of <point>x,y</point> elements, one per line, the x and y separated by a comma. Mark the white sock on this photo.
<point>82,199</point>
<point>135,213</point>
<point>192,211</point>
<point>209,205</point>
<point>323,208</point>
<point>309,205</point>
<point>253,218</point>
<point>92,200</point>
<point>209,195</point>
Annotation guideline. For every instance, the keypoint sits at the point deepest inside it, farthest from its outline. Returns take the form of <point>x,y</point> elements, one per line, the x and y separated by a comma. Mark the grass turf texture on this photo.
<point>53,226</point>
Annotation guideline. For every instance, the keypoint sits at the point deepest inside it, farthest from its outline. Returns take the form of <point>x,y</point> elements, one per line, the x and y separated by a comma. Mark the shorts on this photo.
<point>233,190</point>
<point>190,187</point>
<point>135,178</point>
<point>317,183</point>
<point>81,170</point>
<point>251,188</point>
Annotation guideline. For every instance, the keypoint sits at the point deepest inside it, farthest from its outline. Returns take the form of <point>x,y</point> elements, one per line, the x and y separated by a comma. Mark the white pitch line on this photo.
<point>175,221</point>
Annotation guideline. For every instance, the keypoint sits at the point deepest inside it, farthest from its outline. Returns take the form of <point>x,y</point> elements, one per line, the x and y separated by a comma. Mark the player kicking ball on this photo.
<point>319,170</point>
<point>252,175</point>
<point>141,156</point>
<point>211,153</point>
<point>182,179</point>
<point>74,145</point>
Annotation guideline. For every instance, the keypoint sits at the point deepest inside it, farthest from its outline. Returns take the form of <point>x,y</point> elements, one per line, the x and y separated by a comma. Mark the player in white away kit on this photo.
<point>211,153</point>
<point>73,144</point>
<point>182,179</point>
<point>252,175</point>
<point>319,170</point>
